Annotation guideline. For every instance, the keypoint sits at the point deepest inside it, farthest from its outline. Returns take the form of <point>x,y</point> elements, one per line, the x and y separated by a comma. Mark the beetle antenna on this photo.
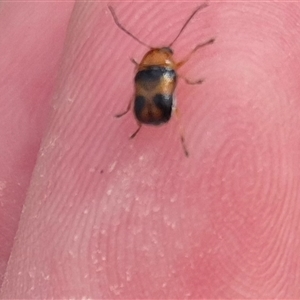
<point>187,22</point>
<point>124,29</point>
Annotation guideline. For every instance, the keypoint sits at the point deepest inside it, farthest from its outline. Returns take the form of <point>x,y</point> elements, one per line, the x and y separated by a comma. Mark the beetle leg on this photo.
<point>186,152</point>
<point>182,139</point>
<point>188,81</point>
<point>134,61</point>
<point>126,111</point>
<point>181,63</point>
<point>135,133</point>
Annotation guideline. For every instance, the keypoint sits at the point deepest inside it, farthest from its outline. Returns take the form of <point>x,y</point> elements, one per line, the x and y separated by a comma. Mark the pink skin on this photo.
<point>109,217</point>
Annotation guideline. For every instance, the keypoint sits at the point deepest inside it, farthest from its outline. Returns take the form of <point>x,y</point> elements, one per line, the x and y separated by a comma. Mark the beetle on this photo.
<point>156,79</point>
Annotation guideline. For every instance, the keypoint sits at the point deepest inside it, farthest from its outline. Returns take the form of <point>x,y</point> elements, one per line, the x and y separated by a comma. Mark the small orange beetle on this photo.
<point>156,79</point>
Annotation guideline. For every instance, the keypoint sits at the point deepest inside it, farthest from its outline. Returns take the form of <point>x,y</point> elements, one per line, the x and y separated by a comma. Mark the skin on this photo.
<point>88,213</point>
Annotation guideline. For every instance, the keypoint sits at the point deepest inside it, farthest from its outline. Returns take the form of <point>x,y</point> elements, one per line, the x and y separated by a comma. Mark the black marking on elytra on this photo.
<point>150,77</point>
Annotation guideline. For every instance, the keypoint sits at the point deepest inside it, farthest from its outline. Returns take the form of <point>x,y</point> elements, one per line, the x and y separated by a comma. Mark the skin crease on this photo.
<point>108,217</point>
<point>26,87</point>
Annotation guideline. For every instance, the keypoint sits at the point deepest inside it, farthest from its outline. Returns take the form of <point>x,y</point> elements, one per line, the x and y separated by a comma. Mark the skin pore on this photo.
<point>87,213</point>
